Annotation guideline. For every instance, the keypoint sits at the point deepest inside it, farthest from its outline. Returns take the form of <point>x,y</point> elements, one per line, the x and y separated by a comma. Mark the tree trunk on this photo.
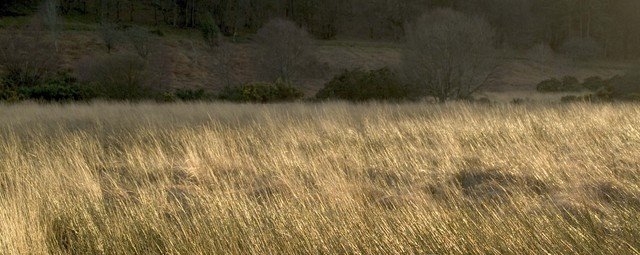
<point>155,15</point>
<point>175,13</point>
<point>118,10</point>
<point>131,10</point>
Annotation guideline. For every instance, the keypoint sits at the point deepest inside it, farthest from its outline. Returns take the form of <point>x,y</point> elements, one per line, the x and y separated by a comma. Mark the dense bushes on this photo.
<point>210,31</point>
<point>594,83</point>
<point>618,88</point>
<point>602,95</point>
<point>191,94</point>
<point>61,87</point>
<point>57,93</point>
<point>119,77</point>
<point>185,95</point>
<point>359,85</point>
<point>261,93</point>
<point>26,59</point>
<point>568,84</point>
<point>572,84</point>
<point>550,85</point>
<point>112,77</point>
<point>626,87</point>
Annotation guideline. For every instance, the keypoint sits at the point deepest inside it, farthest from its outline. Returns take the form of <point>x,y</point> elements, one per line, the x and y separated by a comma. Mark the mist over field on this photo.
<point>319,127</point>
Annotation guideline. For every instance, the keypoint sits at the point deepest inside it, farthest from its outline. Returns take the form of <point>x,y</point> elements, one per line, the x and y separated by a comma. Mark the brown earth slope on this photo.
<point>194,65</point>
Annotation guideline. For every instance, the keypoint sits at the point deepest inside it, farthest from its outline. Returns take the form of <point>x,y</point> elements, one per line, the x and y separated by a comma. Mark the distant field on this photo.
<point>331,178</point>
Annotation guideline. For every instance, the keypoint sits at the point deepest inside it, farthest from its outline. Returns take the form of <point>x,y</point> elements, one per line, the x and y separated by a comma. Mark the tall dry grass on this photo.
<point>319,178</point>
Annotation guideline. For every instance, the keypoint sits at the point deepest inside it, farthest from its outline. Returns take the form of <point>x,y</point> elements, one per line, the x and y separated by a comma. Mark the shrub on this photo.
<point>191,95</point>
<point>22,77</point>
<point>262,93</point>
<point>157,32</point>
<point>594,83</point>
<point>449,55</point>
<point>550,85</point>
<point>569,99</point>
<point>358,85</point>
<point>56,92</point>
<point>119,77</point>
<point>167,97</point>
<point>623,86</point>
<point>286,50</point>
<point>7,94</point>
<point>210,31</point>
<point>604,94</point>
<point>231,93</point>
<point>62,87</point>
<point>568,84</point>
<point>27,60</point>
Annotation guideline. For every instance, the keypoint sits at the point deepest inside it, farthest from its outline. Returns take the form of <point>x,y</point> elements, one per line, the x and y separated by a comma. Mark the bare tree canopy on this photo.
<point>26,59</point>
<point>448,54</point>
<point>286,49</point>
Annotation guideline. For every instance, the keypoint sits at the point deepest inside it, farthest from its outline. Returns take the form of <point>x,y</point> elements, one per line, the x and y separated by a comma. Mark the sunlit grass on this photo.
<point>319,178</point>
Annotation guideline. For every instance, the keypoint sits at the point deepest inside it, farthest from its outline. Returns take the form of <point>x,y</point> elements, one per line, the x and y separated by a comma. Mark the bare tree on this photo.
<point>109,35</point>
<point>125,76</point>
<point>26,59</point>
<point>224,56</point>
<point>286,49</point>
<point>448,54</point>
<point>141,40</point>
<point>118,76</point>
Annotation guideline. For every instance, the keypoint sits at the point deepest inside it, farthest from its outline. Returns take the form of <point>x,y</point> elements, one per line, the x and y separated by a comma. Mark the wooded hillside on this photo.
<point>604,27</point>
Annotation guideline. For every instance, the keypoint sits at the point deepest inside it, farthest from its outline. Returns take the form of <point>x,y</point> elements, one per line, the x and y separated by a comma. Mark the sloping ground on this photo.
<point>192,64</point>
<point>195,65</point>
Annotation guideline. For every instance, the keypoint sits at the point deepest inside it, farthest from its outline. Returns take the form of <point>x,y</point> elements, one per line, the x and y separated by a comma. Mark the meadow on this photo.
<point>326,178</point>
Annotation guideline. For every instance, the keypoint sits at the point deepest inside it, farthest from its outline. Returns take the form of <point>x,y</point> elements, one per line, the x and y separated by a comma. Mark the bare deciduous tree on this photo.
<point>118,76</point>
<point>109,35</point>
<point>141,40</point>
<point>224,56</point>
<point>448,54</point>
<point>26,59</point>
<point>286,49</point>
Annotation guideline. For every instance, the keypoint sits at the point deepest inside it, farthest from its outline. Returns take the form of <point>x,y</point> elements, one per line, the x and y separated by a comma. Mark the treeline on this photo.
<point>603,27</point>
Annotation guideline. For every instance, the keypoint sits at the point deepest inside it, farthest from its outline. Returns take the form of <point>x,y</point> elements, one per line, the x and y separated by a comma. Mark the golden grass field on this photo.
<point>334,178</point>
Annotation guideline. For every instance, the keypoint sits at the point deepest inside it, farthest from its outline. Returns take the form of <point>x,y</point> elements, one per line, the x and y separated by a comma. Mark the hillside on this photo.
<point>190,63</point>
